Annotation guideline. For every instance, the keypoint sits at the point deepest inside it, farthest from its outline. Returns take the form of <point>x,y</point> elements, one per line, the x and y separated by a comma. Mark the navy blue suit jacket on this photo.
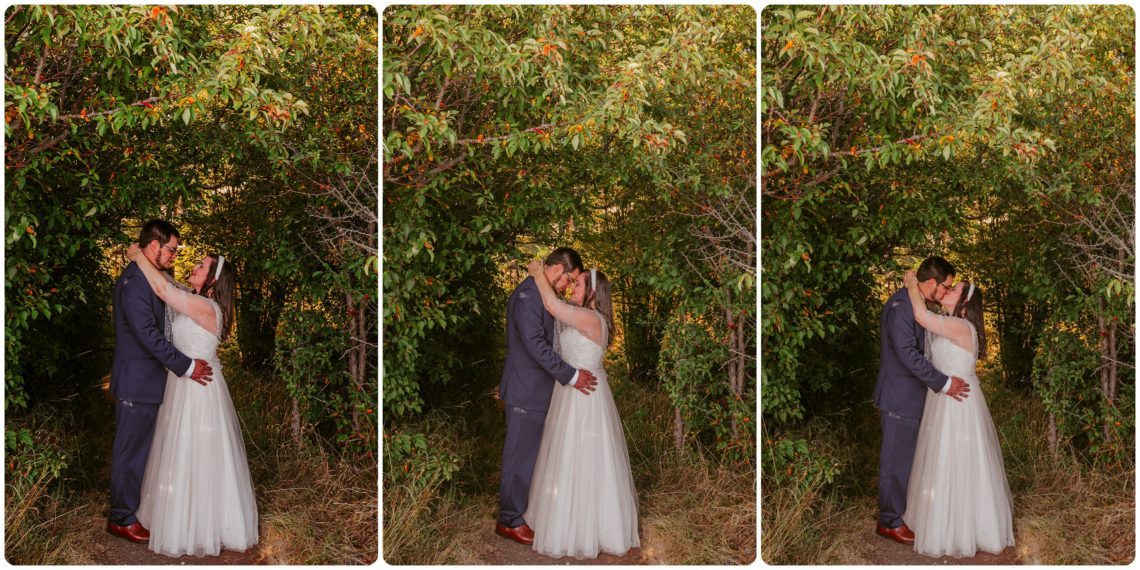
<point>531,361</point>
<point>142,353</point>
<point>904,372</point>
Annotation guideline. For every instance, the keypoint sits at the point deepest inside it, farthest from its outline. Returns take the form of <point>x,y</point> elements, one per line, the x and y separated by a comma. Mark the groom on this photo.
<point>900,394</point>
<point>138,375</point>
<point>526,387</point>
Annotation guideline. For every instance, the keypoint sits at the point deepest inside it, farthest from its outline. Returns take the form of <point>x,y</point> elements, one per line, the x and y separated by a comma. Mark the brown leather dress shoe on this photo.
<point>134,532</point>
<point>522,534</point>
<point>902,534</point>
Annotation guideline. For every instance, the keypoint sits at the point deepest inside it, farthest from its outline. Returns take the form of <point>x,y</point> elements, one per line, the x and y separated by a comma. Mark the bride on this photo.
<point>582,499</point>
<point>197,496</point>
<point>958,501</point>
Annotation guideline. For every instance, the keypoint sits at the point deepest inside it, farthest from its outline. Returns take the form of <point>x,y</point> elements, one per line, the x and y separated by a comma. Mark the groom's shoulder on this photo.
<point>526,290</point>
<point>900,298</point>
<point>132,277</point>
<point>130,270</point>
<point>527,283</point>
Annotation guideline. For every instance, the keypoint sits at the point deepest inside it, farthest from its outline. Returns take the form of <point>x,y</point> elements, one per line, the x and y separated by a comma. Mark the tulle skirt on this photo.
<point>197,495</point>
<point>582,500</point>
<point>958,500</point>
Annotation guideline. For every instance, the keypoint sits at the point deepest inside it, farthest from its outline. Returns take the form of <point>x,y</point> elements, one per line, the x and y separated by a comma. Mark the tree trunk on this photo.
<point>1105,359</point>
<point>733,363</point>
<point>1051,435</point>
<point>678,430</point>
<point>354,368</point>
<point>297,439</point>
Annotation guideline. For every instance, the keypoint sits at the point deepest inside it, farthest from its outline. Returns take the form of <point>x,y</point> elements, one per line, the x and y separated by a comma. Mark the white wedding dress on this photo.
<point>197,495</point>
<point>958,500</point>
<point>582,499</point>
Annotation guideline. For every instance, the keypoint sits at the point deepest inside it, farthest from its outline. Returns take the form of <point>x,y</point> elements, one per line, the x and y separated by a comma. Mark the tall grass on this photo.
<point>36,486</point>
<point>691,510</point>
<point>1064,512</point>
<point>313,507</point>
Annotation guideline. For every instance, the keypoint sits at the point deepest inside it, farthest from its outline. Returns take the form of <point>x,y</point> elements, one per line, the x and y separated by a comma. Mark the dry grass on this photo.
<point>1072,515</point>
<point>432,521</point>
<point>318,513</point>
<point>699,513</point>
<point>1064,513</point>
<point>313,508</point>
<point>422,527</point>
<point>681,498</point>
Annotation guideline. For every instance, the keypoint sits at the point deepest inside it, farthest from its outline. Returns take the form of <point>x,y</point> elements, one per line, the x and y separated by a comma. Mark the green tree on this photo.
<point>510,129</point>
<point>892,133</point>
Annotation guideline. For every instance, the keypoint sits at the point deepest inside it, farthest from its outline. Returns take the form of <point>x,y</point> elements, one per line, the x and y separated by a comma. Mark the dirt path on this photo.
<point>112,550</point>
<point>500,551</point>
<point>888,552</point>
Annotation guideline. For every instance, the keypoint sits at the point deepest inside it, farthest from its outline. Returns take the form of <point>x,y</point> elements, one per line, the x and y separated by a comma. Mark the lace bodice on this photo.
<point>579,351</point>
<point>188,335</point>
<point>950,358</point>
<point>193,340</point>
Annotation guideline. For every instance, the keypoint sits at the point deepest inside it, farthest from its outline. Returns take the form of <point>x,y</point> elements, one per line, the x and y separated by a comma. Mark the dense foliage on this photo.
<point>250,128</point>
<point>1000,137</point>
<point>627,132</point>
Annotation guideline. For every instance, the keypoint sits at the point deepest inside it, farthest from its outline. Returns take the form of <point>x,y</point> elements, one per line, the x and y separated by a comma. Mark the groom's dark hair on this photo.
<point>566,257</point>
<point>936,268</point>
<point>160,230</point>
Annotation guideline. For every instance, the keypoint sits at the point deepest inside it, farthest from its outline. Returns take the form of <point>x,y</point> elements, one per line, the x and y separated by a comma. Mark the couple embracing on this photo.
<point>179,477</point>
<point>566,486</point>
<point>942,484</point>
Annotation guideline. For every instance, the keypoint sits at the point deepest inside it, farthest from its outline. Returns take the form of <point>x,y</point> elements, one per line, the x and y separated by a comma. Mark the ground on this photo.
<point>886,552</point>
<point>112,550</point>
<point>500,551</point>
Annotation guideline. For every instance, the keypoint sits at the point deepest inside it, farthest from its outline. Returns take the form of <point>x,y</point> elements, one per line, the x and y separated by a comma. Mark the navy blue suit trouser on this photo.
<point>520,451</point>
<point>134,432</point>
<point>900,436</point>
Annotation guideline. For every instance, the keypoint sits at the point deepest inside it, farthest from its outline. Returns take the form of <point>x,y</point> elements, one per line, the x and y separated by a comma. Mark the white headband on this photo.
<point>593,279</point>
<point>970,293</point>
<point>218,271</point>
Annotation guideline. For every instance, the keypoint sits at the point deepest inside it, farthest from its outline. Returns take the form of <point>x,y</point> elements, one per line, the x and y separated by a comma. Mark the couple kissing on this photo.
<point>566,488</point>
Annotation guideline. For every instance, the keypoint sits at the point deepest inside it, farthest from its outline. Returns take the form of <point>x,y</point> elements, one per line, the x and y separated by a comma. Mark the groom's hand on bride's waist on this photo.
<point>586,382</point>
<point>959,389</point>
<point>201,372</point>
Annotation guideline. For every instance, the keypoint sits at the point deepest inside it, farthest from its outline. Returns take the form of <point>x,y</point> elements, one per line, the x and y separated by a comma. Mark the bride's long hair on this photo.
<point>973,313</point>
<point>603,299</point>
<point>223,291</point>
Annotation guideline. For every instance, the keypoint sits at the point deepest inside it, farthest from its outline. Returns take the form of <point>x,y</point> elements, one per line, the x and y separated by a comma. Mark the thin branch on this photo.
<point>40,67</point>
<point>49,143</point>
<point>486,140</point>
<point>143,103</point>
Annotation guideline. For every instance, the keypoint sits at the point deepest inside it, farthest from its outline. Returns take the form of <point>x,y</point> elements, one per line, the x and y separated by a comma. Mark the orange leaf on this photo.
<point>788,46</point>
<point>914,59</point>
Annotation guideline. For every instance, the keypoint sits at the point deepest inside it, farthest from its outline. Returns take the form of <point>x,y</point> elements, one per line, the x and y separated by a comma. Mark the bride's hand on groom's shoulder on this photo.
<point>534,268</point>
<point>910,279</point>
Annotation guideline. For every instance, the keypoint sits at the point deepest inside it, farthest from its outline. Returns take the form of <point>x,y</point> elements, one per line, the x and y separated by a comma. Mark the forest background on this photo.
<point>628,133</point>
<point>254,130</point>
<point>1002,138</point>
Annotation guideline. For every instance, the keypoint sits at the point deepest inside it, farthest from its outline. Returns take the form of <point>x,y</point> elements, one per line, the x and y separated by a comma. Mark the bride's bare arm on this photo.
<point>195,306</point>
<point>584,321</point>
<point>921,314</point>
<point>957,330</point>
<point>159,281</point>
